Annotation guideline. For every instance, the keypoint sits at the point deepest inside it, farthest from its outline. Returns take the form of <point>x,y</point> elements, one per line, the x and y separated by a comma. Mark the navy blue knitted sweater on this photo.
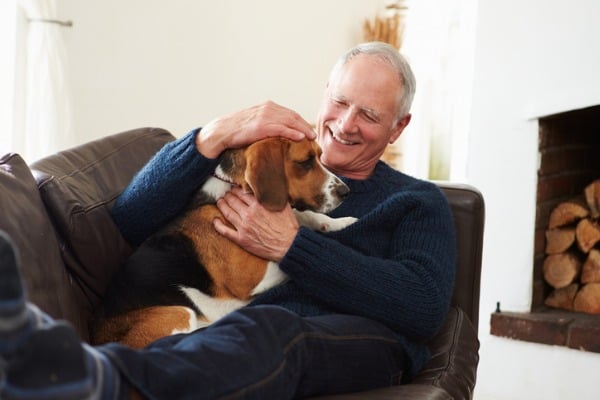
<point>396,264</point>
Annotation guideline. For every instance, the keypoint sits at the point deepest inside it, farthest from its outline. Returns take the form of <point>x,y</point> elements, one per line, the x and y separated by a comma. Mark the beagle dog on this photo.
<point>187,275</point>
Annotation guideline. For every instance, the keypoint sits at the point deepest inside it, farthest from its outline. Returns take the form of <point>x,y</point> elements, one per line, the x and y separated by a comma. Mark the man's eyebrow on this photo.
<point>365,110</point>
<point>370,112</point>
<point>338,97</point>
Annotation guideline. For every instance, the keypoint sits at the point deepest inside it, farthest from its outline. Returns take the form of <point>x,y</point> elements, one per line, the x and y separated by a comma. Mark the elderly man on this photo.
<point>360,303</point>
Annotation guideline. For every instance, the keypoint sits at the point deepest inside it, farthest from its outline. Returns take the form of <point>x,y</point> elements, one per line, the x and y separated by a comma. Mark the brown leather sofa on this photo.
<point>56,211</point>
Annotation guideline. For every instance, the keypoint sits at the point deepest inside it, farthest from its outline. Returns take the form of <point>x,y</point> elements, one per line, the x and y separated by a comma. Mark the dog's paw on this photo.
<point>322,222</point>
<point>336,224</point>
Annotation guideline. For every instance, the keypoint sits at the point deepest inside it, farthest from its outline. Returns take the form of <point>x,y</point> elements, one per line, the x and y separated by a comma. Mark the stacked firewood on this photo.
<point>572,262</point>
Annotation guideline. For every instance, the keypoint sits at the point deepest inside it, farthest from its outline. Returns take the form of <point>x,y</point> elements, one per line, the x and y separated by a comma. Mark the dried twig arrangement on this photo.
<point>386,29</point>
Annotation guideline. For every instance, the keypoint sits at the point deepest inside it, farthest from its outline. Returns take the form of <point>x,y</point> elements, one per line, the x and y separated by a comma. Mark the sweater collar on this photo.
<point>369,184</point>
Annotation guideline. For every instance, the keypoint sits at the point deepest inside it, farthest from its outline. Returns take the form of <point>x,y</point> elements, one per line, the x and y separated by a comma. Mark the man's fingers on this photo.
<point>223,229</point>
<point>237,194</point>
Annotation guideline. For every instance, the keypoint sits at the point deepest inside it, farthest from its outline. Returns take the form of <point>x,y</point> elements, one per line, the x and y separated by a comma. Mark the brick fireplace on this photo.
<point>569,159</point>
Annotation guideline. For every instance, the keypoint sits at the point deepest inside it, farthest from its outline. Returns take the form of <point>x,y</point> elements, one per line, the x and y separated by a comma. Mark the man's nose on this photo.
<point>347,121</point>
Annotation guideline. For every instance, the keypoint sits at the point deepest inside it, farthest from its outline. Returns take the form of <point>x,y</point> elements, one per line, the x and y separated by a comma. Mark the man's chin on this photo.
<point>331,163</point>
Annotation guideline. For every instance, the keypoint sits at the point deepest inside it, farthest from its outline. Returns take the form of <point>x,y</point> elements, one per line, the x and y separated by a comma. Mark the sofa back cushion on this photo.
<point>78,187</point>
<point>468,208</point>
<point>24,218</point>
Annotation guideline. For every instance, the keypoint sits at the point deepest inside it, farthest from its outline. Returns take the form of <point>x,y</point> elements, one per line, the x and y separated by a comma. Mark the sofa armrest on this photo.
<point>455,357</point>
<point>24,218</point>
<point>450,374</point>
<point>403,392</point>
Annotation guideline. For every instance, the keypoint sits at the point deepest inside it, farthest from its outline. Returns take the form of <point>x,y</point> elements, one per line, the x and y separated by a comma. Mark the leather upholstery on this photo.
<point>469,215</point>
<point>78,187</point>
<point>56,211</point>
<point>24,218</point>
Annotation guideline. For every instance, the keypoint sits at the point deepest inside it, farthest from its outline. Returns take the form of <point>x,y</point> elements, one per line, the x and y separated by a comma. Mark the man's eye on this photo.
<point>370,117</point>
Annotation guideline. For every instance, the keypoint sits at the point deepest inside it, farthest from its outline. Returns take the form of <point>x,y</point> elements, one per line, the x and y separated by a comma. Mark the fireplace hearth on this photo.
<point>569,160</point>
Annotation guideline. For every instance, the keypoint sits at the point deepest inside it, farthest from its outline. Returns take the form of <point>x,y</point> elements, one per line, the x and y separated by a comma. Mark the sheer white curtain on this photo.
<point>8,33</point>
<point>439,40</point>
<point>43,121</point>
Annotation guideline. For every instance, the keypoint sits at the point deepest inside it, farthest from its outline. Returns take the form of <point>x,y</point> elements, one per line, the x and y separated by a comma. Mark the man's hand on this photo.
<point>267,234</point>
<point>250,125</point>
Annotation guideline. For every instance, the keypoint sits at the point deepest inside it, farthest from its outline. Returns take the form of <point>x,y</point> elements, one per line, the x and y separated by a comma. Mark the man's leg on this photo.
<point>265,352</point>
<point>39,358</point>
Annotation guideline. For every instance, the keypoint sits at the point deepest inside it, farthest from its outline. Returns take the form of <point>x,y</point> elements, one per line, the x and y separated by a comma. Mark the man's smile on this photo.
<point>337,138</point>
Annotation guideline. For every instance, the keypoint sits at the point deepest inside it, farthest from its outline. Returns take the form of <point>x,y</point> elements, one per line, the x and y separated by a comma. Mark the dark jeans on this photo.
<point>265,352</point>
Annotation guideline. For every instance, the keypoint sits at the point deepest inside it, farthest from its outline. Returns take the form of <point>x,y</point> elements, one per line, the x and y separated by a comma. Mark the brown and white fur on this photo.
<point>187,275</point>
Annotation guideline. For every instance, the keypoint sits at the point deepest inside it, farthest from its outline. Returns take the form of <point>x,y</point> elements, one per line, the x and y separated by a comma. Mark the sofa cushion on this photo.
<point>78,187</point>
<point>24,218</point>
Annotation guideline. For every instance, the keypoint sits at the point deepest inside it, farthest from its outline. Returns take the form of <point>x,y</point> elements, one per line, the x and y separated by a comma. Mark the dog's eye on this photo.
<point>307,164</point>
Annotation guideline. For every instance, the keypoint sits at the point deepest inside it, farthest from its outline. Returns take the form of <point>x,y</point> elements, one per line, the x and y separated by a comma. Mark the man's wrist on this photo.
<point>206,147</point>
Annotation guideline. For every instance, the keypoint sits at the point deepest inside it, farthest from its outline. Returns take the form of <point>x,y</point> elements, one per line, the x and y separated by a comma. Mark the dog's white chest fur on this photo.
<point>215,187</point>
<point>214,308</point>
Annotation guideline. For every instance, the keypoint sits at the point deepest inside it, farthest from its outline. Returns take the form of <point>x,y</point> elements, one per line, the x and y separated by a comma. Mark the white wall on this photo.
<point>177,64</point>
<point>533,58</point>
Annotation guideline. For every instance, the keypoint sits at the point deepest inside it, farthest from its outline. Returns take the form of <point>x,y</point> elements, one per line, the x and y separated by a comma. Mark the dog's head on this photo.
<point>278,170</point>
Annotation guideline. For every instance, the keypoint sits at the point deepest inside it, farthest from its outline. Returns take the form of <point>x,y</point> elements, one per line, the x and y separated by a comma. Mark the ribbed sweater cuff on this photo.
<point>306,245</point>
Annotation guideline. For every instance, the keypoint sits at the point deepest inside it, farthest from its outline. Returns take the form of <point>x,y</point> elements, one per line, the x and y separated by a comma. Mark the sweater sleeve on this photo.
<point>395,265</point>
<point>161,189</point>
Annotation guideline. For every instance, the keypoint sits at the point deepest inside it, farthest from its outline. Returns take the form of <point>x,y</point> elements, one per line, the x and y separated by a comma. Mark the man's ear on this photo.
<point>265,174</point>
<point>399,127</point>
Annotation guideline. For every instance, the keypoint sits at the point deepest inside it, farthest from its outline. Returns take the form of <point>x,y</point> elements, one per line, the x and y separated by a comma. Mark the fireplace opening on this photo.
<point>569,154</point>
<point>569,160</point>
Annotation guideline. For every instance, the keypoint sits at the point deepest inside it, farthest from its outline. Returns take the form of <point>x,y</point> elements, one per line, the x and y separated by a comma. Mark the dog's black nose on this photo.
<point>342,191</point>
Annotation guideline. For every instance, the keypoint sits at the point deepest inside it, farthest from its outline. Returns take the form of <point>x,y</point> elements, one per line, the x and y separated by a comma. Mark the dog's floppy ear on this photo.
<point>265,173</point>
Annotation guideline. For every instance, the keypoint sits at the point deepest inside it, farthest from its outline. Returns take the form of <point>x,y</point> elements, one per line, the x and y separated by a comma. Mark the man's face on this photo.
<point>357,118</point>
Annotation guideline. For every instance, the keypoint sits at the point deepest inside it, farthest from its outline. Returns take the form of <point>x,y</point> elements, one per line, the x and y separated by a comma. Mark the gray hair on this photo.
<point>393,57</point>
